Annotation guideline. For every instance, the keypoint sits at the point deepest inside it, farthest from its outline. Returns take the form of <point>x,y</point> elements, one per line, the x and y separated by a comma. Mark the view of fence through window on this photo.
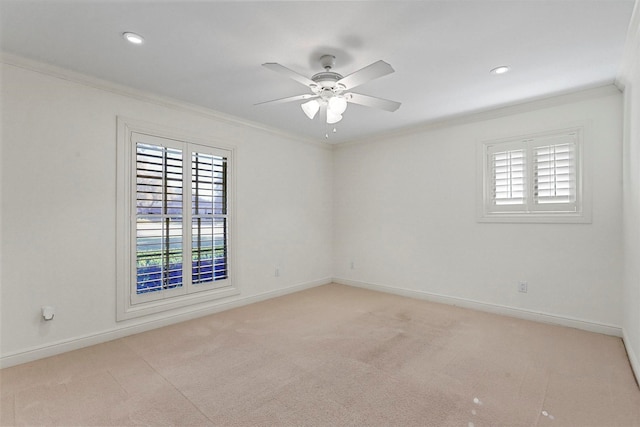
<point>160,236</point>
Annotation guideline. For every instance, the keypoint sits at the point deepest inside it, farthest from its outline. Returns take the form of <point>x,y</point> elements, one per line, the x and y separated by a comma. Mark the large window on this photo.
<point>537,178</point>
<point>175,222</point>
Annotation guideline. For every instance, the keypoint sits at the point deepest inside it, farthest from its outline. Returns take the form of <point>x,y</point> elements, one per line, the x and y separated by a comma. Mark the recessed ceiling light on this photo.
<point>133,38</point>
<point>500,70</point>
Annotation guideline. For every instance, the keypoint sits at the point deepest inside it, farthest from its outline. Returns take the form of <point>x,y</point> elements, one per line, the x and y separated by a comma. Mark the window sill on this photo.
<point>534,218</point>
<point>153,307</point>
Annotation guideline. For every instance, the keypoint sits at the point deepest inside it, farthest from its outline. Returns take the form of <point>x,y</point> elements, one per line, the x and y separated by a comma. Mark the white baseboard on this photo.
<point>519,313</point>
<point>633,357</point>
<point>76,343</point>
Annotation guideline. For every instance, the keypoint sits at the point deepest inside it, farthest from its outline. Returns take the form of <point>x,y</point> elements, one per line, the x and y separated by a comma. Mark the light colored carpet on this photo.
<point>334,356</point>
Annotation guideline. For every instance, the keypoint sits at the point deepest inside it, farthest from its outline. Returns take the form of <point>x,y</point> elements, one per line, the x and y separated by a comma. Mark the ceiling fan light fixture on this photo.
<point>311,108</point>
<point>333,117</point>
<point>337,104</point>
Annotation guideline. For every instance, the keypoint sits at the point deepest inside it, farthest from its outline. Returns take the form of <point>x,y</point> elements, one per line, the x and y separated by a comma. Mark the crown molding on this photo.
<point>123,90</point>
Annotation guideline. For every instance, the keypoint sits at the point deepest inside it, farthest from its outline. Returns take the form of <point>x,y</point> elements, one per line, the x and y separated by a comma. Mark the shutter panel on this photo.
<point>555,174</point>
<point>158,218</point>
<point>508,172</point>
<point>209,218</point>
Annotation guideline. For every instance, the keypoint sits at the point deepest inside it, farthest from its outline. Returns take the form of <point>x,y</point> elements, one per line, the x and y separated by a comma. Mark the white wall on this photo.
<point>630,78</point>
<point>405,214</point>
<point>58,206</point>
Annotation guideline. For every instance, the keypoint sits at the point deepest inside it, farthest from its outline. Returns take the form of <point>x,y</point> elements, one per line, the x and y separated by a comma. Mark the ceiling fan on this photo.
<point>329,90</point>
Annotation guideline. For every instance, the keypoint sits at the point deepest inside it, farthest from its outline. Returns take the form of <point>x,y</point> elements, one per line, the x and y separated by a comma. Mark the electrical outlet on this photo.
<point>277,273</point>
<point>522,287</point>
<point>48,312</point>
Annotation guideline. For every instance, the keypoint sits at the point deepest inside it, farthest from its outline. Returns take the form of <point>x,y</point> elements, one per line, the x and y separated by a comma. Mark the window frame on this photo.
<point>130,304</point>
<point>530,211</point>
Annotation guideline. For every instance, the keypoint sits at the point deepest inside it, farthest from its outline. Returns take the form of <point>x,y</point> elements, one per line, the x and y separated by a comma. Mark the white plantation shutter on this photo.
<point>533,177</point>
<point>209,218</point>
<point>175,205</point>
<point>158,241</point>
<point>554,171</point>
<point>506,177</point>
<point>508,173</point>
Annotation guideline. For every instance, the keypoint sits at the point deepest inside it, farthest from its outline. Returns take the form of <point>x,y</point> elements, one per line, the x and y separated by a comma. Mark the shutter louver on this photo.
<point>209,218</point>
<point>158,218</point>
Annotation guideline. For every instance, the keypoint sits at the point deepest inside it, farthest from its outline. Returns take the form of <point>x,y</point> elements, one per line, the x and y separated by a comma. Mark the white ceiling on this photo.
<point>210,53</point>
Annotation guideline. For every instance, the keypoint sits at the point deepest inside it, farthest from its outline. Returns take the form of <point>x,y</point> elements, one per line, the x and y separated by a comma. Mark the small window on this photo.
<point>174,225</point>
<point>537,178</point>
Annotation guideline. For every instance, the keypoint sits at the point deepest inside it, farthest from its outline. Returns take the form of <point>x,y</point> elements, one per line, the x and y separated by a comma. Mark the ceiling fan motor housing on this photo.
<point>326,80</point>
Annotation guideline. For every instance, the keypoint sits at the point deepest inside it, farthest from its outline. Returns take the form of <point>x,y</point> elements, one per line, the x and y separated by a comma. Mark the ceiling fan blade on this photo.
<point>372,101</point>
<point>363,75</point>
<point>289,73</point>
<point>289,99</point>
